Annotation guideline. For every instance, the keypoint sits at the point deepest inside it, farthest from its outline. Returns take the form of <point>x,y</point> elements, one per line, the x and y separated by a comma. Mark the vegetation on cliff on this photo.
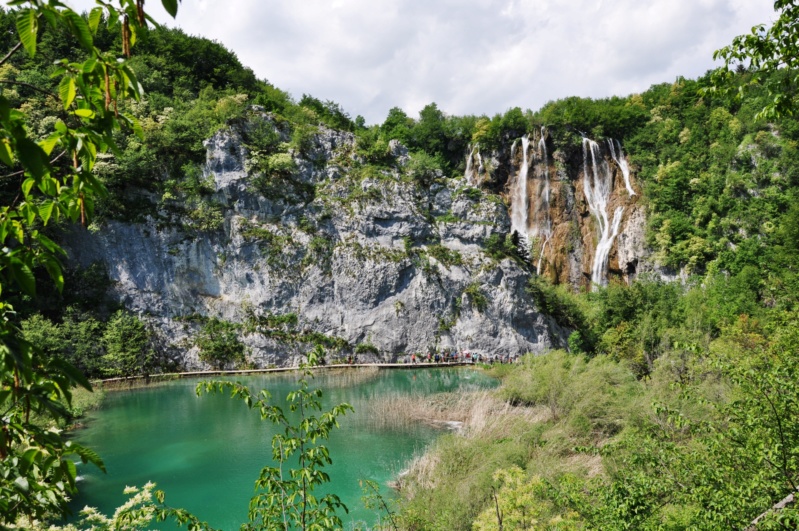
<point>675,407</point>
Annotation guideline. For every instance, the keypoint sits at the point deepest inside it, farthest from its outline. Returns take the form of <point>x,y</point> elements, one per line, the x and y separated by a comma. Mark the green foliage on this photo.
<point>285,328</point>
<point>499,248</point>
<point>464,472</point>
<point>284,496</point>
<point>423,168</point>
<point>366,348</point>
<point>329,112</point>
<point>127,346</point>
<point>766,57</point>
<point>116,347</point>
<point>206,217</point>
<point>476,296</point>
<point>613,117</point>
<point>447,257</point>
<point>37,467</point>
<point>520,503</point>
<point>142,508</point>
<point>219,343</point>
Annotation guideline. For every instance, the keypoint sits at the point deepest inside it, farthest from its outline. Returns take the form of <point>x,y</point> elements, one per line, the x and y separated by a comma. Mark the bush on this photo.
<point>219,343</point>
<point>476,296</point>
<point>127,346</point>
<point>366,348</point>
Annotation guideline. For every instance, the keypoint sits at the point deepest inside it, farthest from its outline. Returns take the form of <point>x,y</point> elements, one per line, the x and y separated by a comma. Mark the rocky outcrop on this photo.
<point>565,222</point>
<point>382,263</point>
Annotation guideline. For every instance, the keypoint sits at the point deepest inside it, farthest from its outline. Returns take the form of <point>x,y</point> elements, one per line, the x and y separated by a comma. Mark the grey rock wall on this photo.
<point>365,261</point>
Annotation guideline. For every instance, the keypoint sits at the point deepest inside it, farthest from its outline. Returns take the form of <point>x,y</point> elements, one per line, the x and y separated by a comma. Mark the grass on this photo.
<point>547,407</point>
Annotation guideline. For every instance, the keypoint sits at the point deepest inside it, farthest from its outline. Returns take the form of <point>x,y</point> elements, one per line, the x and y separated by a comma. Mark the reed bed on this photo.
<point>475,412</point>
<point>481,416</point>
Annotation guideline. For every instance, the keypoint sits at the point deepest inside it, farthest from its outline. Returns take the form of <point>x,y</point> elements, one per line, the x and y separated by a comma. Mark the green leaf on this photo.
<point>28,28</point>
<point>33,158</point>
<point>67,91</point>
<point>6,155</point>
<point>49,143</point>
<point>45,211</point>
<point>95,16</point>
<point>28,212</point>
<point>77,377</point>
<point>79,29</point>
<point>22,484</point>
<point>89,65</point>
<point>50,245</point>
<point>113,18</point>
<point>171,7</point>
<point>55,272</point>
<point>88,455</point>
<point>23,276</point>
<point>84,113</point>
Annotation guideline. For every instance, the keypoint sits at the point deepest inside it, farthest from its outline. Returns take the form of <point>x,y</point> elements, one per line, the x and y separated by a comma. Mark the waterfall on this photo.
<point>519,202</point>
<point>544,226</point>
<point>621,160</point>
<point>472,177</point>
<point>597,194</point>
<point>469,173</point>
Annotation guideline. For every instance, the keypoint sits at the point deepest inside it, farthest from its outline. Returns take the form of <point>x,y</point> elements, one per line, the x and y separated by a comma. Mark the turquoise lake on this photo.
<point>206,452</point>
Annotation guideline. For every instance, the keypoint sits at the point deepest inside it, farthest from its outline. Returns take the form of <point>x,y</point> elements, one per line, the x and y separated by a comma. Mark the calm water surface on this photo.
<point>206,452</point>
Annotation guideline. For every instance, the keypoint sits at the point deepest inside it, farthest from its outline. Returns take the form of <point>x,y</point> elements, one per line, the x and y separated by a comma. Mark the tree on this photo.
<point>126,345</point>
<point>285,499</point>
<point>766,57</point>
<point>37,471</point>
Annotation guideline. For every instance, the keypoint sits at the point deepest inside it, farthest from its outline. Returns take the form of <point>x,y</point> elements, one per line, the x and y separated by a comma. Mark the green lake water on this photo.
<point>206,452</point>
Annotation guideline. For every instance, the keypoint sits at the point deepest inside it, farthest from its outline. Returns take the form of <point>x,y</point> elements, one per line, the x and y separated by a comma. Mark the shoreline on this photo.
<point>193,374</point>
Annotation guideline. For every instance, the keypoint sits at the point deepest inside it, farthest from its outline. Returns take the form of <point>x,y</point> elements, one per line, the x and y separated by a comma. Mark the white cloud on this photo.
<point>469,56</point>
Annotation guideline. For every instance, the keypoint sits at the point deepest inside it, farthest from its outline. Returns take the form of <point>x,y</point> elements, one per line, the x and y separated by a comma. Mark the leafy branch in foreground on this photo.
<point>56,182</point>
<point>284,497</point>
<point>136,513</point>
<point>767,57</point>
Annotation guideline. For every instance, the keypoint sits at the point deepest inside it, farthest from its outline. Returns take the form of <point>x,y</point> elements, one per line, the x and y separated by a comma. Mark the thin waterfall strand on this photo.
<point>597,194</point>
<point>469,173</point>
<point>545,230</point>
<point>621,160</point>
<point>519,202</point>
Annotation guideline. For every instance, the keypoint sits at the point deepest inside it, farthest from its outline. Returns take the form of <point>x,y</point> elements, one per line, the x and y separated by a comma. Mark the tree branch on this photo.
<point>21,172</point>
<point>9,54</point>
<point>34,87</point>
<point>780,505</point>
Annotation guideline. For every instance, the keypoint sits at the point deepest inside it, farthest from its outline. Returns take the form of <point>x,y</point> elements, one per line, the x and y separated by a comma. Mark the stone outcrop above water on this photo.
<point>583,222</point>
<point>382,263</point>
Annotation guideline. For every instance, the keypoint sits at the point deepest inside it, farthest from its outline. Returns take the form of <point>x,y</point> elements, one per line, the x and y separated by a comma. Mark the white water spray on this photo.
<point>469,173</point>
<point>519,203</point>
<point>597,194</point>
<point>544,221</point>
<point>621,160</point>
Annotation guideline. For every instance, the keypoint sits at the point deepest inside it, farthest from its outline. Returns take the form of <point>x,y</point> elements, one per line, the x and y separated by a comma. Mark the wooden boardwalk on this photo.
<point>196,374</point>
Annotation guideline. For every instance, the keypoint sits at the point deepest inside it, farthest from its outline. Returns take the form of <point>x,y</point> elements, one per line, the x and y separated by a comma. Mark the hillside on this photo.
<point>642,249</point>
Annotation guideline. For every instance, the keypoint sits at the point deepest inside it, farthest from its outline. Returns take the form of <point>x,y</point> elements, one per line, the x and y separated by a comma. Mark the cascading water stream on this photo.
<point>519,202</point>
<point>621,160</point>
<point>597,194</point>
<point>469,173</point>
<point>545,227</point>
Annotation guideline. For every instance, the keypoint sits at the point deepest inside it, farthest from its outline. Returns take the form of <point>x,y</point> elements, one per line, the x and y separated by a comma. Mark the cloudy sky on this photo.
<point>468,56</point>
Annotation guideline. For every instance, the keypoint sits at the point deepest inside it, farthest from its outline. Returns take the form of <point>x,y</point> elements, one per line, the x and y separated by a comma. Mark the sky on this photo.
<point>467,56</point>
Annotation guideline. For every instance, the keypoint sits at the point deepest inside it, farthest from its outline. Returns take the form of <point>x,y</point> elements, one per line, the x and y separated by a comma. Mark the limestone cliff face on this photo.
<point>579,217</point>
<point>389,259</point>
